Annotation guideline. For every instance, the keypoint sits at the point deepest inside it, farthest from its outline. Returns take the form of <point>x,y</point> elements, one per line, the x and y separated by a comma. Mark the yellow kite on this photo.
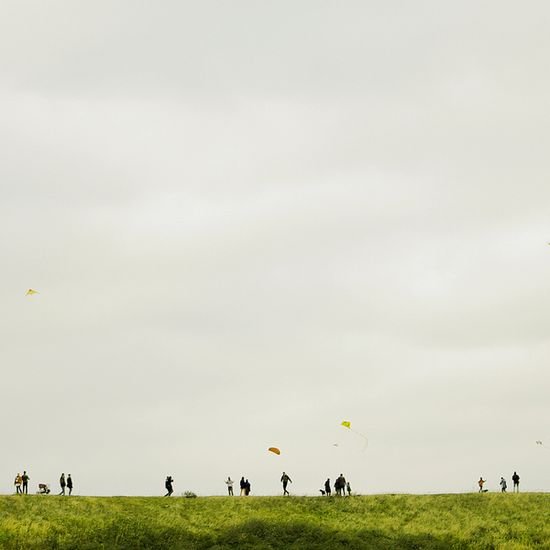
<point>346,424</point>
<point>30,292</point>
<point>274,450</point>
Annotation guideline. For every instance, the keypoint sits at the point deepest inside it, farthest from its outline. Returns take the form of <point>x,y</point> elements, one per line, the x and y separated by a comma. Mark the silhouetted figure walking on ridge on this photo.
<point>62,483</point>
<point>285,478</point>
<point>168,485</point>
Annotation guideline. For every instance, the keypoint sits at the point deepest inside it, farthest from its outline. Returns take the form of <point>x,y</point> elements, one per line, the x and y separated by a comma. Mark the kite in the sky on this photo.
<point>30,292</point>
<point>274,450</point>
<point>347,424</point>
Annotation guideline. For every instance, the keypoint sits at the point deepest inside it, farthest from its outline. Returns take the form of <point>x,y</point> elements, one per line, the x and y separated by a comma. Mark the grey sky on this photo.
<point>249,221</point>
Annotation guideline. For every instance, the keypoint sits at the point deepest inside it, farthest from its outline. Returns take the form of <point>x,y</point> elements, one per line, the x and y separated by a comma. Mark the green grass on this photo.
<point>385,521</point>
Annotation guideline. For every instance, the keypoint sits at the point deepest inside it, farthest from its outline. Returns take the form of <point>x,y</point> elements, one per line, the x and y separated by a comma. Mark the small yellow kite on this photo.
<point>30,292</point>
<point>274,450</point>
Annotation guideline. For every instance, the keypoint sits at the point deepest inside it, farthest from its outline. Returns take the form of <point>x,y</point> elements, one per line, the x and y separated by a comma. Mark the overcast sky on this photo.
<point>249,221</point>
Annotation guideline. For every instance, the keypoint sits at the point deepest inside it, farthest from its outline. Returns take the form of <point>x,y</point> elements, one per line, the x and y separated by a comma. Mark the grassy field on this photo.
<point>385,521</point>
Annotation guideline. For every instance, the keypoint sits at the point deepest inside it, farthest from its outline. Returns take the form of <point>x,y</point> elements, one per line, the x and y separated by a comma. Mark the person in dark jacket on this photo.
<point>327,487</point>
<point>62,484</point>
<point>285,478</point>
<point>247,487</point>
<point>168,485</point>
<point>515,479</point>
<point>70,484</point>
<point>242,484</point>
<point>25,479</point>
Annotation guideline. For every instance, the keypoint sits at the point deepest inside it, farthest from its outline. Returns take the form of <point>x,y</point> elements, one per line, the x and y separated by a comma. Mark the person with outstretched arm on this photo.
<point>285,478</point>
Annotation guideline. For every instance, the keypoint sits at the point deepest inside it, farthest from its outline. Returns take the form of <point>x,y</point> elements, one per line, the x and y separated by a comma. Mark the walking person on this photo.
<point>25,479</point>
<point>503,485</point>
<point>285,478</point>
<point>70,484</point>
<point>243,486</point>
<point>515,479</point>
<point>62,484</point>
<point>168,486</point>
<point>327,487</point>
<point>229,482</point>
<point>247,487</point>
<point>480,483</point>
<point>18,481</point>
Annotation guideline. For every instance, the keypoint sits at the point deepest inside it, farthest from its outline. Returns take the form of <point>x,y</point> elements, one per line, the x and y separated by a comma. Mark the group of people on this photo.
<point>503,484</point>
<point>244,485</point>
<point>340,486</point>
<point>22,485</point>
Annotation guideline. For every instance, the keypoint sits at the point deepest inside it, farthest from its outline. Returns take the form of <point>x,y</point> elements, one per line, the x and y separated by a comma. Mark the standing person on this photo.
<point>515,479</point>
<point>480,483</point>
<point>285,478</point>
<point>25,479</point>
<point>70,484</point>
<point>340,485</point>
<point>243,486</point>
<point>168,485</point>
<point>503,485</point>
<point>18,481</point>
<point>229,482</point>
<point>247,487</point>
<point>348,488</point>
<point>327,486</point>
<point>62,484</point>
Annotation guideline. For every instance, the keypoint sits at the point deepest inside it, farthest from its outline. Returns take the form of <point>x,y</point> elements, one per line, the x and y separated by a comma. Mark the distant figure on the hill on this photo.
<point>348,488</point>
<point>503,485</point>
<point>70,484</point>
<point>340,485</point>
<point>62,484</point>
<point>480,483</point>
<point>229,484</point>
<point>242,483</point>
<point>43,489</point>
<point>247,487</point>
<point>18,481</point>
<point>168,485</point>
<point>285,478</point>
<point>25,479</point>
<point>327,487</point>
<point>515,479</point>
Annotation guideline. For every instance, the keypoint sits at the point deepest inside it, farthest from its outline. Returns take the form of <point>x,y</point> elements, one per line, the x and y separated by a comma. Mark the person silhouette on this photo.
<point>70,484</point>
<point>229,482</point>
<point>18,481</point>
<point>242,483</point>
<point>168,486</point>
<point>503,485</point>
<point>515,479</point>
<point>25,479</point>
<point>327,487</point>
<point>480,483</point>
<point>285,478</point>
<point>62,484</point>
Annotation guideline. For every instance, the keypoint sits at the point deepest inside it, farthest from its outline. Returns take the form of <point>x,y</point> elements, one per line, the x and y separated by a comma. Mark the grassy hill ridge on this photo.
<point>381,521</point>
